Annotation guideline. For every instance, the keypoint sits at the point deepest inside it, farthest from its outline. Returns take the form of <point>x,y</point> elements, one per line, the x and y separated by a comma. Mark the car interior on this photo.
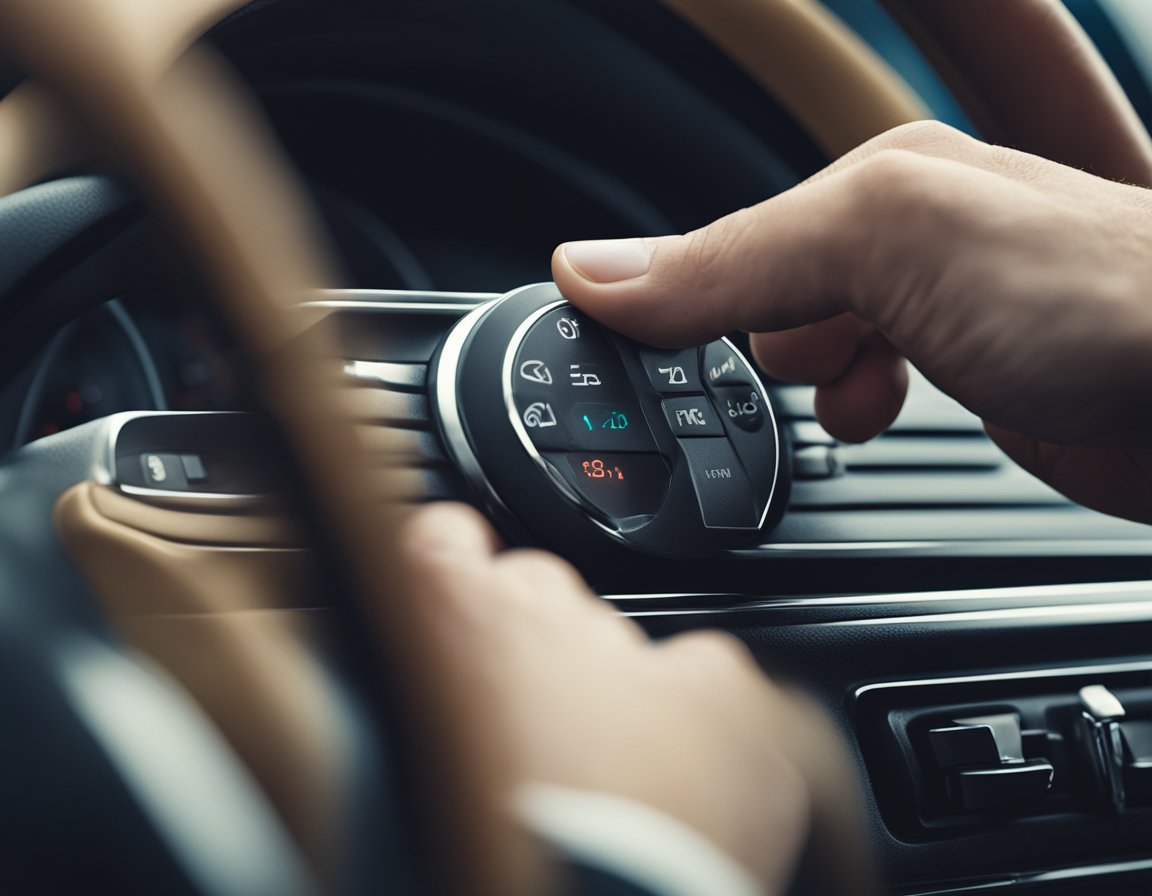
<point>981,642</point>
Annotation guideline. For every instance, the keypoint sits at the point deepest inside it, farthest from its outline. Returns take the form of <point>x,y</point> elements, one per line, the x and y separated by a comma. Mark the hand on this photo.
<point>1017,285</point>
<point>583,699</point>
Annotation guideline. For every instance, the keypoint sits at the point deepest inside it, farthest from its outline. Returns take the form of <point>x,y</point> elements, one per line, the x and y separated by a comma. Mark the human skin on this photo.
<point>577,695</point>
<point>1017,285</point>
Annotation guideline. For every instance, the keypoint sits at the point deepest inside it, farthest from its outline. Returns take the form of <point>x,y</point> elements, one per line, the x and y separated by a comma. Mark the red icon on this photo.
<point>596,469</point>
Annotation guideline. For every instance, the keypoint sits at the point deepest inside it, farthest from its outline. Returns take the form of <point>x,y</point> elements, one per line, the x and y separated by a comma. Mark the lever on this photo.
<point>1119,748</point>
<point>1099,729</point>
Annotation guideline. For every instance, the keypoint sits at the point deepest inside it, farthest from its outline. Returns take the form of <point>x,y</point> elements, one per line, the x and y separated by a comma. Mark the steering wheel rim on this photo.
<point>252,278</point>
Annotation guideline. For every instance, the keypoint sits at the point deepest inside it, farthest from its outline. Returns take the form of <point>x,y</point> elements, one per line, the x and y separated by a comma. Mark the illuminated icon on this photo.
<point>729,366</point>
<point>748,408</point>
<point>599,416</point>
<point>568,328</point>
<point>691,417</point>
<point>536,372</point>
<point>595,469</point>
<point>676,375</point>
<point>582,379</point>
<point>611,420</point>
<point>539,415</point>
<point>156,468</point>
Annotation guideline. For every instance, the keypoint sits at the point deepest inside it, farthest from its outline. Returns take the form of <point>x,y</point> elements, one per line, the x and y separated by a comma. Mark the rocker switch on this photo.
<point>984,758</point>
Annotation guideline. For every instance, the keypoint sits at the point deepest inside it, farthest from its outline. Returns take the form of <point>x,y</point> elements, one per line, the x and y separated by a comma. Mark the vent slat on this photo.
<point>935,456</point>
<point>414,446</point>
<point>926,408</point>
<point>390,375</point>
<point>913,454</point>
<point>401,409</point>
<point>1007,486</point>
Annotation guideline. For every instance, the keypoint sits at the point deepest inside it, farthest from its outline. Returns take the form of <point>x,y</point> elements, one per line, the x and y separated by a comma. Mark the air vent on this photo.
<point>933,484</point>
<point>388,338</point>
<point>936,454</point>
<point>394,420</point>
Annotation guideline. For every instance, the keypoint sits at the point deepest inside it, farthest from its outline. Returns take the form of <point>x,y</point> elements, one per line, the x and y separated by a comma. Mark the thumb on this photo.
<point>773,266</point>
<point>803,256</point>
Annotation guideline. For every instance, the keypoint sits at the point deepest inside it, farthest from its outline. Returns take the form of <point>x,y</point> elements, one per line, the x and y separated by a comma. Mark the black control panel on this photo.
<point>582,434</point>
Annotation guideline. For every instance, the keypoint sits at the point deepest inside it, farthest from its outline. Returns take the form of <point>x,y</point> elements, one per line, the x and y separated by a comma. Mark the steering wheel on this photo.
<point>258,261</point>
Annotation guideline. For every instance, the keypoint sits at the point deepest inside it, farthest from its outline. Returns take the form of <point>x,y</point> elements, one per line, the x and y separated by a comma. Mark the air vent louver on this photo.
<point>936,454</point>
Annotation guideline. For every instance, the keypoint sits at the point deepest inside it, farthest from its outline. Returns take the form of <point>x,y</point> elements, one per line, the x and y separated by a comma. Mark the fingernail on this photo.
<point>608,261</point>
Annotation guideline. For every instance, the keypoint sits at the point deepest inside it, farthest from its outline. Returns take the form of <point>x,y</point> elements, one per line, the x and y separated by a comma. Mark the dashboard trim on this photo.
<point>104,471</point>
<point>964,548</point>
<point>399,300</point>
<point>1019,675</point>
<point>444,374</point>
<point>910,597</point>
<point>220,501</point>
<point>1109,594</point>
<point>1039,878</point>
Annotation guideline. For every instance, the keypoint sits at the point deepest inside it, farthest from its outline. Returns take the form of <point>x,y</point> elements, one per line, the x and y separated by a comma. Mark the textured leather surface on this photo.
<point>40,590</point>
<point>40,223</point>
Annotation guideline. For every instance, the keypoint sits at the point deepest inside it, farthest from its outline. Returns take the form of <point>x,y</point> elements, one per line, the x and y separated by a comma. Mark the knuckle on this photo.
<point>706,252</point>
<point>888,170</point>
<point>1015,164</point>
<point>431,535</point>
<point>714,650</point>
<point>903,186</point>
<point>922,135</point>
<point>541,571</point>
<point>421,537</point>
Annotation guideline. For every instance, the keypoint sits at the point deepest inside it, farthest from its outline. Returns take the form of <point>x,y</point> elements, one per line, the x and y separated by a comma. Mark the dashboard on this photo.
<point>948,609</point>
<point>142,354</point>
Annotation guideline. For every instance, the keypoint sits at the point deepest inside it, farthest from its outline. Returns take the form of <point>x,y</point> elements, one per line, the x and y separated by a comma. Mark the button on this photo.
<point>568,353</point>
<point>743,405</point>
<point>692,417</point>
<point>1003,785</point>
<point>1006,734</point>
<point>672,371</point>
<point>620,485</point>
<point>571,389</point>
<point>164,471</point>
<point>536,371</point>
<point>723,366</point>
<point>601,426</point>
<point>722,488</point>
<point>193,467</point>
<point>542,421</point>
<point>961,745</point>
